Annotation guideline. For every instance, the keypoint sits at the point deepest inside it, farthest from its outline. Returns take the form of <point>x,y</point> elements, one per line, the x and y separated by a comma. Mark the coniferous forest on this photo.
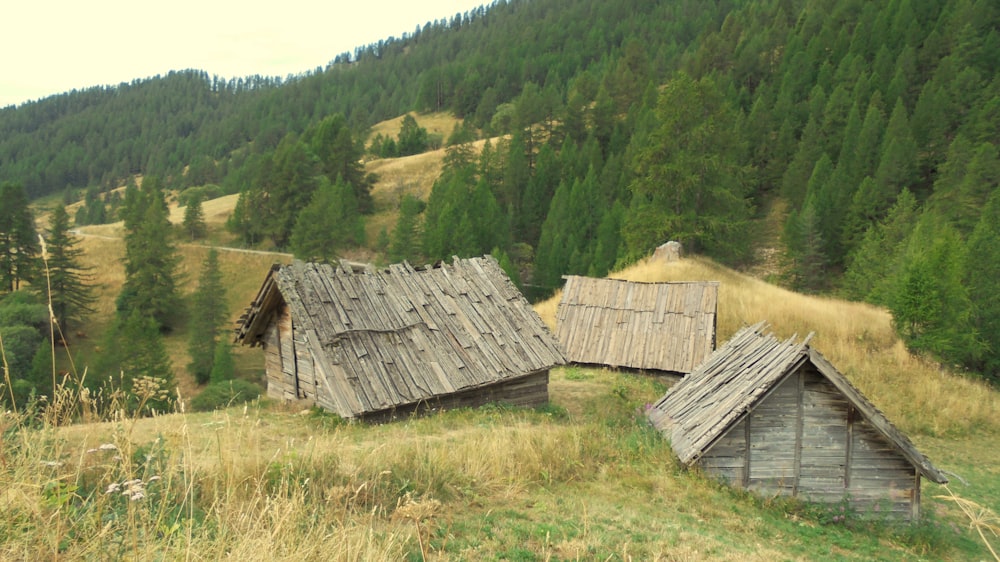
<point>612,127</point>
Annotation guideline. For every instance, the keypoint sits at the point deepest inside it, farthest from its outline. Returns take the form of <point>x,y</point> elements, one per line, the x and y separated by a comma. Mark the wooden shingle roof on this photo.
<point>383,338</point>
<point>699,409</point>
<point>661,326</point>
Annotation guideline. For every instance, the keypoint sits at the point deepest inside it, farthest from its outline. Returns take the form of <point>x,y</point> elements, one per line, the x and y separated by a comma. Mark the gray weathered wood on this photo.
<point>777,418</point>
<point>362,340</point>
<point>653,326</point>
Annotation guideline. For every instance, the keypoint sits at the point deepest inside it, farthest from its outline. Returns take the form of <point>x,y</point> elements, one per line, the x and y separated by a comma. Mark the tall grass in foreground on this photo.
<point>919,395</point>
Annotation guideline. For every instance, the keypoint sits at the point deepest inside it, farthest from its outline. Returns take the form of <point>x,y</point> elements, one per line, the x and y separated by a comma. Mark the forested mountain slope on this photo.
<point>618,126</point>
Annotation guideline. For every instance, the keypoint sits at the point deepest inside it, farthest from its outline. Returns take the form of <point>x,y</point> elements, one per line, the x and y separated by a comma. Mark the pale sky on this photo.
<point>49,47</point>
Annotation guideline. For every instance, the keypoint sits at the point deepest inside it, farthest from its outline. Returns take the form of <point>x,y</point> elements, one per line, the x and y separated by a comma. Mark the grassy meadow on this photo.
<point>584,478</point>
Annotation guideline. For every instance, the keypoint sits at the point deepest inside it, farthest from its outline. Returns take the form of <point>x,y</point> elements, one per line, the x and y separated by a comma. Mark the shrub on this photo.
<point>224,393</point>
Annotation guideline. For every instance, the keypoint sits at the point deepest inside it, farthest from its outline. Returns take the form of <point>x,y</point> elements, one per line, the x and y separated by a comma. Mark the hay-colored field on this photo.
<point>438,123</point>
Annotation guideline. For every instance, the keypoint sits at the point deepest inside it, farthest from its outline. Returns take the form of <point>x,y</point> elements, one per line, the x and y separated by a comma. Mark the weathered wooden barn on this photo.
<point>375,343</point>
<point>777,418</point>
<point>651,326</point>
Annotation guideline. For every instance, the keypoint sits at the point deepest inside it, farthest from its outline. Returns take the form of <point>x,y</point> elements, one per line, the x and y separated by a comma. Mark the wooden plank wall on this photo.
<point>773,426</point>
<point>824,439</point>
<point>529,391</point>
<point>272,363</point>
<point>879,475</point>
<point>817,447</point>
<point>727,458</point>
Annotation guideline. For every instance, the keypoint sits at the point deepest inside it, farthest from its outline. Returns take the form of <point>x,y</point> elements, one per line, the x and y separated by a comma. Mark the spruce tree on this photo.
<point>412,137</point>
<point>135,360</point>
<point>194,219</point>
<point>208,313</point>
<point>18,239</point>
<point>66,287</point>
<point>328,224</point>
<point>150,258</point>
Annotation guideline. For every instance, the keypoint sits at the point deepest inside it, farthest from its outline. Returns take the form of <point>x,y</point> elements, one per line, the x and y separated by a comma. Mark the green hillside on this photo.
<point>848,152</point>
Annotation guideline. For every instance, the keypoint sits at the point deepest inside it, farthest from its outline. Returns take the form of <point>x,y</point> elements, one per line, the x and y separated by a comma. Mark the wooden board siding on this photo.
<point>805,448</point>
<point>727,458</point>
<point>824,439</point>
<point>777,418</point>
<point>773,426</point>
<point>286,345</point>
<point>366,340</point>
<point>272,363</point>
<point>879,477</point>
<point>655,326</point>
<point>529,391</point>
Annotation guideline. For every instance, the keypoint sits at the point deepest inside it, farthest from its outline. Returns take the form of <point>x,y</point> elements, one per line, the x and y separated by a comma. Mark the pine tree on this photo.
<point>293,180</point>
<point>405,241</point>
<point>329,223</point>
<point>339,159</point>
<point>208,313</point>
<point>66,285</point>
<point>18,240</point>
<point>194,219</point>
<point>150,258</point>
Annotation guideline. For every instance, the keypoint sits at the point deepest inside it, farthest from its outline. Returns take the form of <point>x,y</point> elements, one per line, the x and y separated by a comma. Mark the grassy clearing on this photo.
<point>582,479</point>
<point>437,123</point>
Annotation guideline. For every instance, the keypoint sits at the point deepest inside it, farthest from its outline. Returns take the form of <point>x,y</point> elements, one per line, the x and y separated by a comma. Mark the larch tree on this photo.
<point>983,281</point>
<point>328,224</point>
<point>689,179</point>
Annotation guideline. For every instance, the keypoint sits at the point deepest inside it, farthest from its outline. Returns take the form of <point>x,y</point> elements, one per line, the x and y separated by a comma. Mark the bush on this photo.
<point>225,393</point>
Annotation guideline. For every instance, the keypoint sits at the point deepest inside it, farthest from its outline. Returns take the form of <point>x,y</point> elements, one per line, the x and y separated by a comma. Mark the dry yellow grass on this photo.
<point>410,175</point>
<point>216,211</point>
<point>438,123</point>
<point>243,271</point>
<point>858,338</point>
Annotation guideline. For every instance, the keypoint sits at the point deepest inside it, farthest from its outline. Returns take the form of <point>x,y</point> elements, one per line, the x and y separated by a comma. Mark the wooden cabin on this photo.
<point>375,343</point>
<point>666,327</point>
<point>777,418</point>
